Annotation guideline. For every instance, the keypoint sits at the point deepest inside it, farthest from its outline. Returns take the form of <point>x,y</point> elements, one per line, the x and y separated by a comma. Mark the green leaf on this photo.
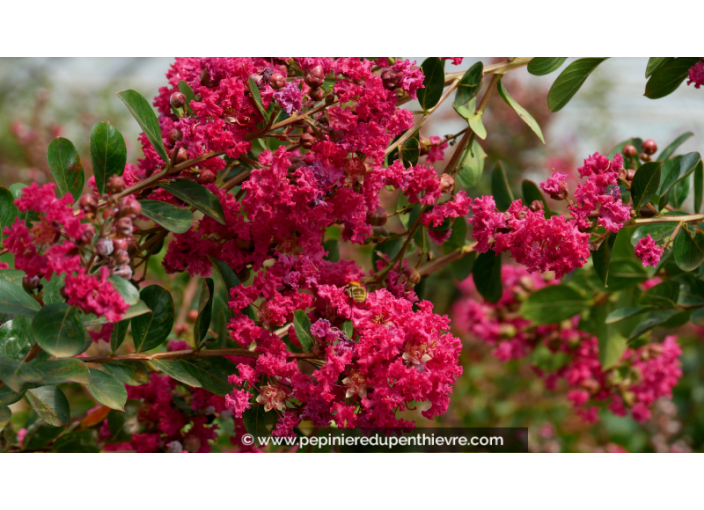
<point>331,246</point>
<point>8,210</point>
<point>469,85</point>
<point>658,231</point>
<point>691,291</point>
<point>645,184</point>
<point>476,125</point>
<point>522,112</point>
<point>146,118</point>
<point>676,169</point>
<point>228,276</point>
<point>133,311</point>
<point>17,374</point>
<point>698,187</point>
<point>635,142</point>
<point>118,334</point>
<point>61,371</point>
<point>471,165</point>
<point>66,167</point>
<point>59,331</point>
<point>151,329</point>
<point>457,237</point>
<point>487,276</point>
<point>5,413</point>
<point>540,66</point>
<point>462,268</point>
<point>301,323</point>
<point>688,249</point>
<point>15,338</point>
<point>205,312</point>
<point>53,288</point>
<point>9,397</point>
<point>256,95</point>
<point>654,63</point>
<point>553,304</point>
<point>434,82</point>
<point>177,369</point>
<point>500,188</point>
<point>15,301</point>
<point>258,422</point>
<point>601,258</point>
<point>409,151</point>
<point>172,218</point>
<point>211,373</point>
<point>348,328</point>
<point>107,390</point>
<point>624,313</point>
<point>680,191</point>
<point>667,77</point>
<point>697,317</point>
<point>129,292</point>
<point>39,435</point>
<point>664,294</point>
<point>531,193</point>
<point>570,81</point>
<point>611,344</point>
<point>76,442</point>
<point>129,372</point>
<point>50,404</point>
<point>185,89</point>
<point>198,196</point>
<point>651,320</point>
<point>108,153</point>
<point>670,149</point>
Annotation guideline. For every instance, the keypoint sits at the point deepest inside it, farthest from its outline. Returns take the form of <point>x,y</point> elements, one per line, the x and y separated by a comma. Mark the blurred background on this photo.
<point>42,98</point>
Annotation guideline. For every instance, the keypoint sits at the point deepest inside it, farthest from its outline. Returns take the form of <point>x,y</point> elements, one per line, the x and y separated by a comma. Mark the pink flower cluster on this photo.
<point>556,243</point>
<point>641,376</point>
<point>394,355</point>
<point>696,74</point>
<point>648,251</point>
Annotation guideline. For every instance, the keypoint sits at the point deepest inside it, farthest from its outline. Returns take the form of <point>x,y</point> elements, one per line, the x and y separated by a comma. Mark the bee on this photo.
<point>356,291</point>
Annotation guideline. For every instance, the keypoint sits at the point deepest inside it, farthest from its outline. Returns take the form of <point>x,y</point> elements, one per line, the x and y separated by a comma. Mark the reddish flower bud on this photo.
<point>120,243</point>
<point>377,217</point>
<point>630,151</point>
<point>649,147</point>
<point>447,183</point>
<point>123,271</point>
<point>317,94</point>
<point>175,135</point>
<point>192,315</point>
<point>244,245</point>
<point>644,157</point>
<point>29,284</point>
<point>307,141</point>
<point>121,257</point>
<point>116,184</point>
<point>124,227</point>
<point>537,205</point>
<point>104,246</point>
<point>177,100</point>
<point>89,204</point>
<point>88,235</point>
<point>277,81</point>
<point>315,77</point>
<point>206,177</point>
<point>181,156</point>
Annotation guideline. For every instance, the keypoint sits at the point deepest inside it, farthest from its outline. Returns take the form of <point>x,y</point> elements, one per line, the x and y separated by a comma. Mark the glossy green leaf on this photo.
<point>65,165</point>
<point>670,149</point>
<point>676,169</point>
<point>471,165</point>
<point>15,301</point>
<point>500,188</point>
<point>9,397</point>
<point>152,329</point>
<point>522,112</point>
<point>179,370</point>
<point>50,404</point>
<point>469,85</point>
<point>39,435</point>
<point>433,83</point>
<point>601,258</point>
<point>553,304</point>
<point>59,331</point>
<point>688,249</point>
<point>205,312</point>
<point>645,184</point>
<point>76,442</point>
<point>624,313</point>
<point>5,413</point>
<point>256,95</point>
<point>143,113</point>
<point>53,288</point>
<point>211,373</point>
<point>18,374</point>
<point>462,268</point>
<point>667,77</point>
<point>8,210</point>
<point>108,153</point>
<point>129,372</point>
<point>651,320</point>
<point>476,125</point>
<point>658,231</point>
<point>59,371</point>
<point>118,334</point>
<point>540,66</point>
<point>611,344</point>
<point>133,311</point>
<point>697,317</point>
<point>258,422</point>
<point>654,63</point>
<point>331,246</point>
<point>531,193</point>
<point>14,276</point>
<point>679,192</point>
<point>301,324</point>
<point>698,187</point>
<point>107,390</point>
<point>348,328</point>
<point>198,196</point>
<point>691,290</point>
<point>16,338</point>
<point>172,218</point>
<point>129,292</point>
<point>487,276</point>
<point>570,80</point>
<point>664,294</point>
<point>457,236</point>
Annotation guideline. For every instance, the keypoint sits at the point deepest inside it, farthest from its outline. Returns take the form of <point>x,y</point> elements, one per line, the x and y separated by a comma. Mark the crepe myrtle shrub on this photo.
<point>253,171</point>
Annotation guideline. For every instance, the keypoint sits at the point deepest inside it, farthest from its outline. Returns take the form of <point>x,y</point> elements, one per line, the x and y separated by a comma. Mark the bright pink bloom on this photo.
<point>696,74</point>
<point>648,251</point>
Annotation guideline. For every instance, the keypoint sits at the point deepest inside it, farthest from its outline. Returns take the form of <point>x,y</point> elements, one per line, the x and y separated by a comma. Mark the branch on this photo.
<point>669,219</point>
<point>190,353</point>
<point>443,261</point>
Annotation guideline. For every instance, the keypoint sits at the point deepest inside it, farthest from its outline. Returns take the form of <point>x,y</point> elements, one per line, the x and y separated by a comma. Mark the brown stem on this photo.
<point>443,261</point>
<point>190,353</point>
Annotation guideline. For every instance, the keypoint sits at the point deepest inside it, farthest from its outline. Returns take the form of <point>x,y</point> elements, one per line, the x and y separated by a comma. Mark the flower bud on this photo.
<point>175,135</point>
<point>104,246</point>
<point>181,156</point>
<point>89,204</point>
<point>277,81</point>
<point>123,271</point>
<point>177,100</point>
<point>644,157</point>
<point>29,284</point>
<point>307,141</point>
<point>315,77</point>
<point>377,217</point>
<point>447,183</point>
<point>537,205</point>
<point>317,94</point>
<point>244,245</point>
<point>329,99</point>
<point>206,177</point>
<point>124,227</point>
<point>192,315</point>
<point>116,184</point>
<point>412,275</point>
<point>630,151</point>
<point>122,257</point>
<point>380,232</point>
<point>135,207</point>
<point>191,444</point>
<point>649,147</point>
<point>88,235</point>
<point>244,274</point>
<point>120,243</point>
